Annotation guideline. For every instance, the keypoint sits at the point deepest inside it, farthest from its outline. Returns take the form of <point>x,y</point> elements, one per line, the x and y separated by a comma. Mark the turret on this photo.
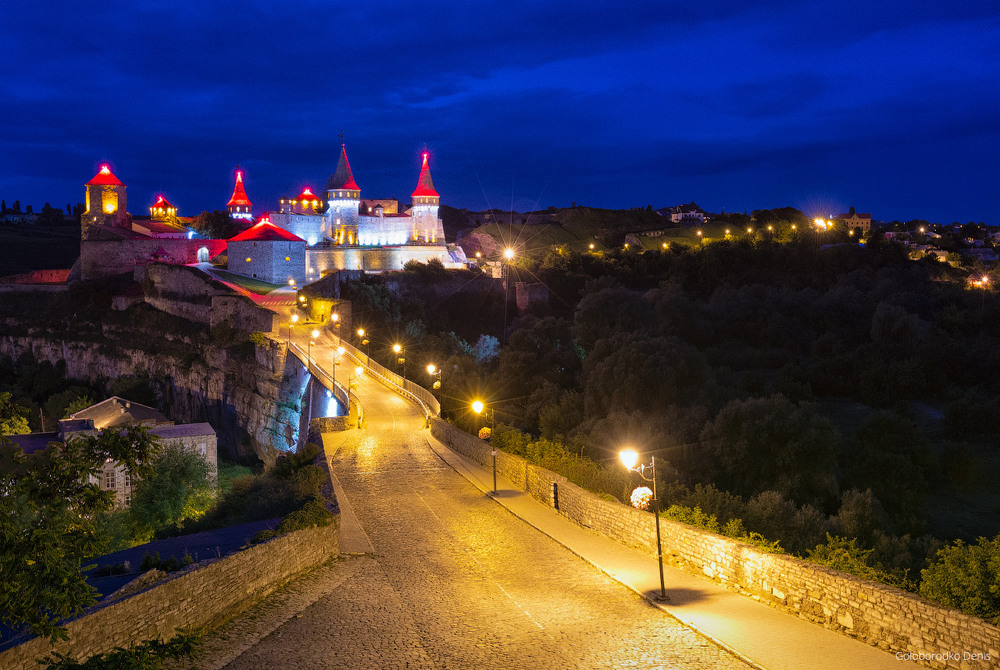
<point>239,205</point>
<point>427,227</point>
<point>344,196</point>
<point>105,200</point>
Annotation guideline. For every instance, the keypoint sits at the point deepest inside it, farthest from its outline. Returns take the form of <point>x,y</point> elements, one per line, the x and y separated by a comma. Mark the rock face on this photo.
<point>253,400</point>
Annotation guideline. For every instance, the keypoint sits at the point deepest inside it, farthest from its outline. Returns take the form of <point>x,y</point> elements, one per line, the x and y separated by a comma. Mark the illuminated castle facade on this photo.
<point>343,218</point>
<point>106,204</point>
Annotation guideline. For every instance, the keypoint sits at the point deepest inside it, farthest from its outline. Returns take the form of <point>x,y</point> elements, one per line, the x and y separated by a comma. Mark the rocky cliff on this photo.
<point>247,392</point>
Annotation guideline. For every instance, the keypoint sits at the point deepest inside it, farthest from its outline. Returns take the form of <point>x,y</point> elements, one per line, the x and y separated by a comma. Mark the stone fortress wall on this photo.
<point>880,615</point>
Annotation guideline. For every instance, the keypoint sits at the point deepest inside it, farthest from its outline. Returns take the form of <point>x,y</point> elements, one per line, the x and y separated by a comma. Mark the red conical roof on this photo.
<point>105,178</point>
<point>307,194</point>
<point>425,185</point>
<point>162,202</point>
<point>343,178</point>
<point>239,193</point>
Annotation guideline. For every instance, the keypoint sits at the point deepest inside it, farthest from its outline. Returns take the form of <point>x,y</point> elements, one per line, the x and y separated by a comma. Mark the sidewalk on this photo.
<point>759,634</point>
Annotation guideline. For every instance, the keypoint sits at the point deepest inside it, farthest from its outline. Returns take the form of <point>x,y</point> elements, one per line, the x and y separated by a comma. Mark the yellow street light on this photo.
<point>630,459</point>
<point>508,253</point>
<point>397,348</point>
<point>478,407</point>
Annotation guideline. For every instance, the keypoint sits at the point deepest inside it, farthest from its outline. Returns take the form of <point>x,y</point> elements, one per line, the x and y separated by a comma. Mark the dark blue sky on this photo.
<point>893,107</point>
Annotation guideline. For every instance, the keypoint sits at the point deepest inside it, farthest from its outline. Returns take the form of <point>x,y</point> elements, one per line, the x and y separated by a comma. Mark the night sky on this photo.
<point>893,107</point>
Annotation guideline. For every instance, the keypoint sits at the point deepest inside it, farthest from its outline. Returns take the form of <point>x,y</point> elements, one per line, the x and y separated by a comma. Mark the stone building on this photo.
<point>857,220</point>
<point>268,253</point>
<point>114,412</point>
<point>106,204</point>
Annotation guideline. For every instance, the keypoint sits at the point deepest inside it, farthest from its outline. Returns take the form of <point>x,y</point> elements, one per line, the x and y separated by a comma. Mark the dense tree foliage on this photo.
<point>47,522</point>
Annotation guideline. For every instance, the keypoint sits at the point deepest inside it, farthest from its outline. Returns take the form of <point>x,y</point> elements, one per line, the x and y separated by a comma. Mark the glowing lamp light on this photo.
<point>397,348</point>
<point>629,457</point>
<point>315,334</point>
<point>295,318</point>
<point>109,208</point>
<point>508,253</point>
<point>477,406</point>
<point>431,368</point>
<point>340,351</point>
<point>359,371</point>
<point>361,332</point>
<point>302,298</point>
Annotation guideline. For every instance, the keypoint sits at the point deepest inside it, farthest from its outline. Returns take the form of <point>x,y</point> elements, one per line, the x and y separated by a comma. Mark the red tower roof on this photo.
<point>105,178</point>
<point>343,178</point>
<point>307,194</point>
<point>162,202</point>
<point>239,193</point>
<point>425,185</point>
<point>265,232</point>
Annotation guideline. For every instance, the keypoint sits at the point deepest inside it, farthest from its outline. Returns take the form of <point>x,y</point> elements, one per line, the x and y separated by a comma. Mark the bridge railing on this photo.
<point>403,386</point>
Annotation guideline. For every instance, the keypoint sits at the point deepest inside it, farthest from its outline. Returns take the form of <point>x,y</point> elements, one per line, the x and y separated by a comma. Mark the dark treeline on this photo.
<point>797,389</point>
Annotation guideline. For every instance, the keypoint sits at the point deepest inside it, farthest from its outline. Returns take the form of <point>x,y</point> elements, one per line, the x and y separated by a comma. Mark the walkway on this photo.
<point>443,576</point>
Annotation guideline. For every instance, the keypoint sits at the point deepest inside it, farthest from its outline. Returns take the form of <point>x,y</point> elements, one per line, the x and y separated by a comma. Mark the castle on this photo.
<point>339,232</point>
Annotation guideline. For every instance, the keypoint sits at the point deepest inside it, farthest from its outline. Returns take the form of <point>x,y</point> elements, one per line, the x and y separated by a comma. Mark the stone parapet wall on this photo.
<point>203,595</point>
<point>880,615</point>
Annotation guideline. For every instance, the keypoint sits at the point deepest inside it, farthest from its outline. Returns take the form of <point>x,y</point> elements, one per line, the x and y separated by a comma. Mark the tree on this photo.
<point>770,443</point>
<point>966,577</point>
<point>47,523</point>
<point>13,417</point>
<point>218,225</point>
<point>179,488</point>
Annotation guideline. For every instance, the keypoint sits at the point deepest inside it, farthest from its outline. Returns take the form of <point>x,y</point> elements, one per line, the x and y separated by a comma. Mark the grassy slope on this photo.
<point>27,248</point>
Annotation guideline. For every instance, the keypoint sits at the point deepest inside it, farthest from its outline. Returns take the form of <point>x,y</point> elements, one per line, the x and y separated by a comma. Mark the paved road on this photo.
<point>455,581</point>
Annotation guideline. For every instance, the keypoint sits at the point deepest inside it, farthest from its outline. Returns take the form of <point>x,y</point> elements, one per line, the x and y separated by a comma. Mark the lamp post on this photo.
<point>335,320</point>
<point>365,342</point>
<point>358,371</point>
<point>433,371</point>
<point>478,407</point>
<point>400,359</point>
<point>630,459</point>
<point>291,322</point>
<point>314,335</point>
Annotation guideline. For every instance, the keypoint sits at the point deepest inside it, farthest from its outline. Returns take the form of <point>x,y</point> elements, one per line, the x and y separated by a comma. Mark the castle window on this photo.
<point>287,258</point>
<point>248,259</point>
<point>109,479</point>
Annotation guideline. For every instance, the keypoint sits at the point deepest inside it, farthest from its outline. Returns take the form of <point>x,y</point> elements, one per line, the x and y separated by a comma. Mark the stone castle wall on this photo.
<point>100,258</point>
<point>880,615</point>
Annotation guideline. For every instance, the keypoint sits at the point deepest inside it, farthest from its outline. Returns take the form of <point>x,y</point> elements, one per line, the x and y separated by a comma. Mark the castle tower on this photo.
<point>427,227</point>
<point>344,197</point>
<point>162,209</point>
<point>105,200</point>
<point>239,205</point>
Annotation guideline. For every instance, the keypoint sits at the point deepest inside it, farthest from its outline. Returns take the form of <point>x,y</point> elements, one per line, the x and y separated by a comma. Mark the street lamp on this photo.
<point>358,371</point>
<point>293,321</point>
<point>433,371</point>
<point>400,360</point>
<point>313,336</point>
<point>478,407</point>
<point>630,459</point>
<point>335,320</point>
<point>365,342</point>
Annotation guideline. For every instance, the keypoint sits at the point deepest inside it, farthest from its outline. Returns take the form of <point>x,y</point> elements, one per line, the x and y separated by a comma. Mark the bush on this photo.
<point>966,577</point>
<point>147,654</point>
<point>313,513</point>
<point>262,535</point>
<point>845,555</point>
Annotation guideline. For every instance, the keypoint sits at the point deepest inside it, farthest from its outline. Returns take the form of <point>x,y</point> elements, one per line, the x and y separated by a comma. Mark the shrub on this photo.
<point>845,555</point>
<point>262,535</point>
<point>313,513</point>
<point>966,577</point>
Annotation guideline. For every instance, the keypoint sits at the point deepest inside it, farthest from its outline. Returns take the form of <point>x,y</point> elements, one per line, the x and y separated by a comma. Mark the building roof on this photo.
<point>265,231</point>
<point>860,215</point>
<point>343,178</point>
<point>105,178</point>
<point>307,195</point>
<point>183,430</point>
<point>117,411</point>
<point>239,193</point>
<point>33,442</point>
<point>162,202</point>
<point>425,185</point>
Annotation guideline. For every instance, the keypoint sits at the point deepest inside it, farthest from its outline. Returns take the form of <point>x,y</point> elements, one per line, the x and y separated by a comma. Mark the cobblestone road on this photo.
<point>456,582</point>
